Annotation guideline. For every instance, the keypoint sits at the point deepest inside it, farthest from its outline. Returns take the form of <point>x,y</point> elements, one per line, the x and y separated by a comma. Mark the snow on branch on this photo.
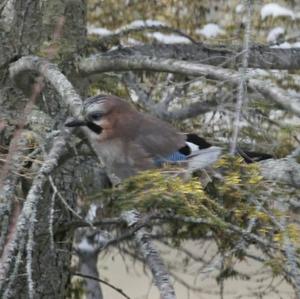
<point>210,30</point>
<point>140,26</point>
<point>104,63</point>
<point>275,10</point>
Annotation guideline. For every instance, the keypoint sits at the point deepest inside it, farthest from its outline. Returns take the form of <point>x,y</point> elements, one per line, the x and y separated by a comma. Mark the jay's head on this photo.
<point>101,115</point>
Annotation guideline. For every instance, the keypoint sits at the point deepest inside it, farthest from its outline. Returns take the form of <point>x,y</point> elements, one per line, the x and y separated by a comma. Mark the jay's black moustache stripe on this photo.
<point>93,127</point>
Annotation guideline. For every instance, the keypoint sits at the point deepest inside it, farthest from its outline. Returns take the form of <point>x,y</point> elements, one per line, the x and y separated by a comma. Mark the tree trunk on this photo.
<point>56,30</point>
<point>88,266</point>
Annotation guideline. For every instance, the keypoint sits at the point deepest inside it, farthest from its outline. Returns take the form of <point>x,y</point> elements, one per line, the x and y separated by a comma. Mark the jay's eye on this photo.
<point>95,116</point>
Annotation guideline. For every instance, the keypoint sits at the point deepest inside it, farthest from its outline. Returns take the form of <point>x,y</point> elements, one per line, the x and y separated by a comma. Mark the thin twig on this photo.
<point>104,282</point>
<point>51,217</point>
<point>65,203</point>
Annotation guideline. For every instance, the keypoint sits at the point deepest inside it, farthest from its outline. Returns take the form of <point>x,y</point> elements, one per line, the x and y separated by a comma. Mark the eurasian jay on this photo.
<point>128,141</point>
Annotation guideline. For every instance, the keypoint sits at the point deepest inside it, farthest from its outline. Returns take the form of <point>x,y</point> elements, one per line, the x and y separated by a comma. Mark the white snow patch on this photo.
<point>279,114</point>
<point>113,48</point>
<point>85,246</point>
<point>135,24</point>
<point>275,10</point>
<point>169,38</point>
<point>284,45</point>
<point>257,72</point>
<point>131,42</point>
<point>292,121</point>
<point>133,95</point>
<point>210,30</point>
<point>98,30</point>
<point>274,34</point>
<point>91,214</point>
<point>275,114</point>
<point>287,45</point>
<point>210,115</point>
<point>296,45</point>
<point>239,8</point>
<point>131,217</point>
<point>141,23</point>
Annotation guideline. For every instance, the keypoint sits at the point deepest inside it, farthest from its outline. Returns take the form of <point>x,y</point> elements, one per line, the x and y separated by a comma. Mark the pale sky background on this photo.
<point>131,278</point>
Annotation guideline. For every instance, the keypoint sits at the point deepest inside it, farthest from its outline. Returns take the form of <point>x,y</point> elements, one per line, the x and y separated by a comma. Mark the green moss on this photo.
<point>237,195</point>
<point>224,200</point>
<point>108,84</point>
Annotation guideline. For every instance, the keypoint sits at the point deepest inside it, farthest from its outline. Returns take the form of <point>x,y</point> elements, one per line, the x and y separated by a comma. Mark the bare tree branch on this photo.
<point>131,81</point>
<point>52,74</point>
<point>192,110</point>
<point>104,63</point>
<point>87,251</point>
<point>259,56</point>
<point>285,170</point>
<point>152,257</point>
<point>102,281</point>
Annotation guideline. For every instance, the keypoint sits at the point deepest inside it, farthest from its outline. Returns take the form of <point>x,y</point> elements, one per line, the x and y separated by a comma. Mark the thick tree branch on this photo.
<point>104,63</point>
<point>52,74</point>
<point>285,170</point>
<point>192,110</point>
<point>88,256</point>
<point>259,56</point>
<point>151,256</point>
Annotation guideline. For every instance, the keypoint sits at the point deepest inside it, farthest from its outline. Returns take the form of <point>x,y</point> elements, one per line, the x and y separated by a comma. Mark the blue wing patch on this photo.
<point>174,157</point>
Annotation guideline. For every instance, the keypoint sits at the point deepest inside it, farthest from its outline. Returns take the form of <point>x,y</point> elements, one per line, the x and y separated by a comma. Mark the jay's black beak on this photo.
<point>73,122</point>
